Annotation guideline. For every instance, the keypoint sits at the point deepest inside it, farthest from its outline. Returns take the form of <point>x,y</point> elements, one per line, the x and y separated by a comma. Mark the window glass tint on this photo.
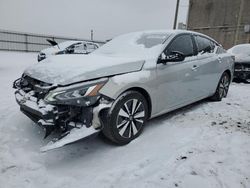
<point>204,45</point>
<point>182,44</point>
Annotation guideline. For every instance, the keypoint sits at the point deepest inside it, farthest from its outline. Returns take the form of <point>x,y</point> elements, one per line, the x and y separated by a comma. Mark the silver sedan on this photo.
<point>118,87</point>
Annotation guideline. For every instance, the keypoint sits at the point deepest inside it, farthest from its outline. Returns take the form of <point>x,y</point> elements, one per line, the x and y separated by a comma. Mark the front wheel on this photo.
<point>222,88</point>
<point>126,118</point>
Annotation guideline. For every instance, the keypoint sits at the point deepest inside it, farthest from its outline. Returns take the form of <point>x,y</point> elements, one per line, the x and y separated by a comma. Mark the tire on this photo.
<point>126,118</point>
<point>222,88</point>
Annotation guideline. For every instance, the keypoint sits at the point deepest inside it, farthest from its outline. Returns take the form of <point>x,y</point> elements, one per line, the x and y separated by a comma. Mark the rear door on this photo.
<point>209,70</point>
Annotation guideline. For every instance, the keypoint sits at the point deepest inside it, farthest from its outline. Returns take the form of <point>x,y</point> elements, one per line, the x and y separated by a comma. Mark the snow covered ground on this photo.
<point>203,145</point>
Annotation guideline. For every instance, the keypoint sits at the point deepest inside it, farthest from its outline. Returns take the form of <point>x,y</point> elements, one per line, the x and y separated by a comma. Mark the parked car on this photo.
<point>67,47</point>
<point>242,61</point>
<point>124,83</point>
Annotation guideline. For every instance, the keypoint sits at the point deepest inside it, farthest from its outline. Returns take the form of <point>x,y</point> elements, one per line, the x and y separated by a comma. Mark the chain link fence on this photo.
<point>28,42</point>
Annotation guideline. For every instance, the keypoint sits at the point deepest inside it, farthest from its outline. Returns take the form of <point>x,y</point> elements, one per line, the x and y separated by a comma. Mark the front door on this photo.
<point>176,80</point>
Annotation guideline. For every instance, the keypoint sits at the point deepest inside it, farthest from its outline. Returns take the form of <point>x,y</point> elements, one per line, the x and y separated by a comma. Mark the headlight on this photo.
<point>83,95</point>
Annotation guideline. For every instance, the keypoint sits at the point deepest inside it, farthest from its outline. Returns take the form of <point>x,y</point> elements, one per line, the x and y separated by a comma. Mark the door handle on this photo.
<point>195,67</point>
<point>220,60</point>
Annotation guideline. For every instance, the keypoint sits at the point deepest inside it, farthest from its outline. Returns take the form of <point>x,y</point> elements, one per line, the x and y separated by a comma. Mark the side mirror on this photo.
<point>174,56</point>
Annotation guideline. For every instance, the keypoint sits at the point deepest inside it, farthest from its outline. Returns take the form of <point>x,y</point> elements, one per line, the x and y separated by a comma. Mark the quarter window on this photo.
<point>182,44</point>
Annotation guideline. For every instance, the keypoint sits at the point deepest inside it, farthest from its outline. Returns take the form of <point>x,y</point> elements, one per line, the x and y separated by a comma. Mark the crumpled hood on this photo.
<point>68,69</point>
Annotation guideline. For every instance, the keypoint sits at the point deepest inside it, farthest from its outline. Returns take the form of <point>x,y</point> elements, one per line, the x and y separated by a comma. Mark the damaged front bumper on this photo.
<point>72,125</point>
<point>43,114</point>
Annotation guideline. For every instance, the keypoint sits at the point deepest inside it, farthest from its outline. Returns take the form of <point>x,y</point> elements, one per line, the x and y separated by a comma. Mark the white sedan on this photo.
<point>67,47</point>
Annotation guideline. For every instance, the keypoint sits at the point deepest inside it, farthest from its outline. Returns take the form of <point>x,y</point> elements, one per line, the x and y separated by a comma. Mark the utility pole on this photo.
<point>176,14</point>
<point>92,35</point>
<point>239,20</point>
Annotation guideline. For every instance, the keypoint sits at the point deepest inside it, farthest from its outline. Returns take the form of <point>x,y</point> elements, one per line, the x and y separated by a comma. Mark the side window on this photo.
<point>79,48</point>
<point>74,48</point>
<point>204,45</point>
<point>221,50</point>
<point>183,44</point>
<point>84,48</point>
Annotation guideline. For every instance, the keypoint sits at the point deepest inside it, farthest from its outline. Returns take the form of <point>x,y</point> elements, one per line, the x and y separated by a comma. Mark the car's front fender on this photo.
<point>144,79</point>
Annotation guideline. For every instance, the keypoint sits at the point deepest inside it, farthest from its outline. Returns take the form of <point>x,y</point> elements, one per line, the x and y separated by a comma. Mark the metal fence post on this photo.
<point>26,42</point>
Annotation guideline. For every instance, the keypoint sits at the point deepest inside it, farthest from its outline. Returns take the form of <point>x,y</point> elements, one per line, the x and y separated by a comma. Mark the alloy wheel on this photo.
<point>130,118</point>
<point>224,86</point>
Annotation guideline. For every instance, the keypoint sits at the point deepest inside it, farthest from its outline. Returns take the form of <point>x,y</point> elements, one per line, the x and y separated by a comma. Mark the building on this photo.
<point>227,21</point>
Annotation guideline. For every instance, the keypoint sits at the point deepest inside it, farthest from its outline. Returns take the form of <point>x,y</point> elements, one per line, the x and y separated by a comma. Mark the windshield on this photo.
<point>135,44</point>
<point>241,49</point>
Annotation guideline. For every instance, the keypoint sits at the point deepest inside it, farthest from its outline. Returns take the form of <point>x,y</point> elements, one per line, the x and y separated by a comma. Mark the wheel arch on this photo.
<point>229,73</point>
<point>146,95</point>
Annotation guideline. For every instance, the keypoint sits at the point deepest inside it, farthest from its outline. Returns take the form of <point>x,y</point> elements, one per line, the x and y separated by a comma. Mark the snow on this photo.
<point>52,50</point>
<point>67,69</point>
<point>240,49</point>
<point>137,44</point>
<point>203,145</point>
<point>241,53</point>
<point>38,106</point>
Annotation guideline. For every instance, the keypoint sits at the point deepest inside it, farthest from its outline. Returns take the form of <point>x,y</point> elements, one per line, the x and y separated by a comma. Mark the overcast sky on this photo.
<point>75,18</point>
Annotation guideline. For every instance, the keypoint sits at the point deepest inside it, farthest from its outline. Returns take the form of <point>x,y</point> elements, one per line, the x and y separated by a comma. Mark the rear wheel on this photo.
<point>222,88</point>
<point>126,118</point>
